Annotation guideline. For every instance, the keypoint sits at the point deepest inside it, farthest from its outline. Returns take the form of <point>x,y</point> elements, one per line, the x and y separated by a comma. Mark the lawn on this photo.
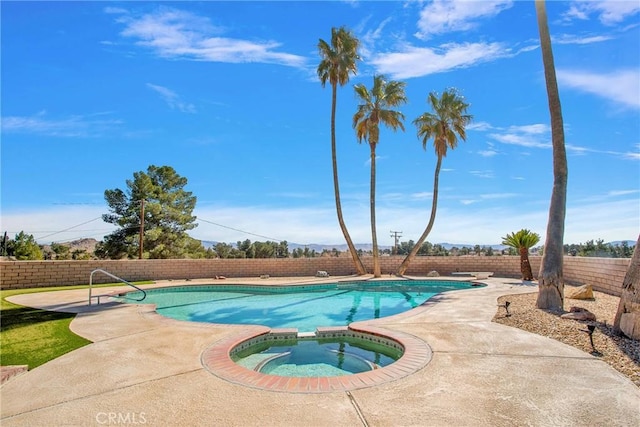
<point>29,336</point>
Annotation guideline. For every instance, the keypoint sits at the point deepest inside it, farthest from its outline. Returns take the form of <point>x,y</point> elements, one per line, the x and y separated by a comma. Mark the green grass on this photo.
<point>30,336</point>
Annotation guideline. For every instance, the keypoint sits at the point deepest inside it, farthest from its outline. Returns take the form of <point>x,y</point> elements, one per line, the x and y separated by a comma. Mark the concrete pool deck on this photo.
<point>144,369</point>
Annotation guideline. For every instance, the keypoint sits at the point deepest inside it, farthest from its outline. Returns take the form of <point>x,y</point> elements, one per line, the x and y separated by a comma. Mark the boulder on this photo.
<point>583,292</point>
<point>579,313</point>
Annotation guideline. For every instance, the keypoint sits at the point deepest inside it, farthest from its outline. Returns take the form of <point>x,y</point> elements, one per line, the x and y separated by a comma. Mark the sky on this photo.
<point>227,93</point>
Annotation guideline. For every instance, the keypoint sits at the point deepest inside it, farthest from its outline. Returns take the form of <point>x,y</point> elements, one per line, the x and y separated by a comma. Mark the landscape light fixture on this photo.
<point>506,308</point>
<point>590,329</point>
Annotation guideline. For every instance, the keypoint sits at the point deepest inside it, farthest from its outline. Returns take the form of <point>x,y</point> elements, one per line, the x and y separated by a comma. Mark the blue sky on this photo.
<point>228,95</point>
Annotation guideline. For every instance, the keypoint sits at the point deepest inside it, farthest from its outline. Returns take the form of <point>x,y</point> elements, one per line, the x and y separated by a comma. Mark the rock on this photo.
<point>321,273</point>
<point>433,273</point>
<point>579,313</point>
<point>583,292</point>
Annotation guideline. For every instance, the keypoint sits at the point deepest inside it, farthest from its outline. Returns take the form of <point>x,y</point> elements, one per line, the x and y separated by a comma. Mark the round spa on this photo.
<point>328,360</point>
<point>343,354</point>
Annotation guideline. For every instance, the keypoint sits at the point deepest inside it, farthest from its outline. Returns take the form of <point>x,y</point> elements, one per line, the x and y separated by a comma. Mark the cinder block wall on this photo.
<point>605,274</point>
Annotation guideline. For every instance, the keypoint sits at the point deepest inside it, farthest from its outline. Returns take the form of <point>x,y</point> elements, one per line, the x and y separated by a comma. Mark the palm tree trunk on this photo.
<point>360,270</point>
<point>550,278</point>
<point>627,318</point>
<point>372,201</point>
<point>405,263</point>
<point>525,266</point>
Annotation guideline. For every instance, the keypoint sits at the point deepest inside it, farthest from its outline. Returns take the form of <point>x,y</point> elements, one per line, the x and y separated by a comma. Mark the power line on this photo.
<point>70,228</point>
<point>396,236</point>
<point>241,231</point>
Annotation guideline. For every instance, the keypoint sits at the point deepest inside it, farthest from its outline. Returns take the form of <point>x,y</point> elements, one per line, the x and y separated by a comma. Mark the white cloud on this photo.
<point>622,192</point>
<point>488,174</point>
<point>413,61</point>
<point>77,126</point>
<point>60,223</point>
<point>573,39</point>
<point>442,16</point>
<point>633,155</point>
<point>173,33</point>
<point>608,12</point>
<point>369,38</point>
<point>479,126</point>
<point>621,87</point>
<point>487,153</point>
<point>523,140</point>
<point>537,129</point>
<point>539,136</point>
<point>172,99</point>
<point>604,218</point>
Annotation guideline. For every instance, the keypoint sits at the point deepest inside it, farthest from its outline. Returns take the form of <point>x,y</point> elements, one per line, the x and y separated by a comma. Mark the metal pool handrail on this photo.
<point>144,294</point>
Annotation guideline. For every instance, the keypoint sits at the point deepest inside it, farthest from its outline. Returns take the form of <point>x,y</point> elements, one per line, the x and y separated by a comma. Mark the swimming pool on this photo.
<point>304,307</point>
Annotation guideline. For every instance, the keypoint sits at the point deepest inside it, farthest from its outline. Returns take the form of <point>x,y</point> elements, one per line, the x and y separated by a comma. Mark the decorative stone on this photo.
<point>579,313</point>
<point>583,292</point>
<point>322,273</point>
<point>433,273</point>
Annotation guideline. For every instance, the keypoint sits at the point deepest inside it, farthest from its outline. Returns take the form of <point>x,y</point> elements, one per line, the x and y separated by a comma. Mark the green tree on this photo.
<point>264,250</point>
<point>550,277</point>
<point>157,203</point>
<point>62,251</point>
<point>338,59</point>
<point>24,247</point>
<point>282,249</point>
<point>80,254</point>
<point>445,125</point>
<point>522,241</point>
<point>377,108</point>
<point>223,250</point>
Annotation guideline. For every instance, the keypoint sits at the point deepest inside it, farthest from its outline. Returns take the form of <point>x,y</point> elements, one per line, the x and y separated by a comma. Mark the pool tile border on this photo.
<point>217,360</point>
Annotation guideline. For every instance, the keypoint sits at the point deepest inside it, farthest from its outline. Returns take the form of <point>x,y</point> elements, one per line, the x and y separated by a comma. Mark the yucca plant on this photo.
<point>521,241</point>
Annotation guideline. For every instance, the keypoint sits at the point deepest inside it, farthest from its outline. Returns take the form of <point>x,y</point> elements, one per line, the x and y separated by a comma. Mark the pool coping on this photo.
<point>217,360</point>
<point>482,373</point>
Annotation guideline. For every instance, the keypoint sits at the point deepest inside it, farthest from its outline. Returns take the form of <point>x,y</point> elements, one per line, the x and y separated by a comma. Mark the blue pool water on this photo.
<point>317,358</point>
<point>302,307</point>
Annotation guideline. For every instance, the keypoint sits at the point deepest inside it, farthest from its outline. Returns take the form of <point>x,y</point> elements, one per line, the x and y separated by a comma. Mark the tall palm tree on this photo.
<point>628,312</point>
<point>521,241</point>
<point>550,278</point>
<point>376,109</point>
<point>447,122</point>
<point>338,59</point>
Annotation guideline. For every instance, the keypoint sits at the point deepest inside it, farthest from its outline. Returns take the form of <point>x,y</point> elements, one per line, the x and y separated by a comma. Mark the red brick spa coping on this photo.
<point>217,360</point>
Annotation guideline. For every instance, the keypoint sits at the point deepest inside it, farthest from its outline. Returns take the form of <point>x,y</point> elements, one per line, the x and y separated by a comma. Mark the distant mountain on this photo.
<point>88,245</point>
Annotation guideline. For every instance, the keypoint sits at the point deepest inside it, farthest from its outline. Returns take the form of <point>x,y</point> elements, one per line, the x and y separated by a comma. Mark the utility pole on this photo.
<point>141,238</point>
<point>396,238</point>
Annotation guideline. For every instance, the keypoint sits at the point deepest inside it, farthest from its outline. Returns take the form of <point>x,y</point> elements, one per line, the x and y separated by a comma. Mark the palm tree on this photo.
<point>374,110</point>
<point>444,125</point>
<point>338,59</point>
<point>550,279</point>
<point>522,241</point>
<point>629,305</point>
